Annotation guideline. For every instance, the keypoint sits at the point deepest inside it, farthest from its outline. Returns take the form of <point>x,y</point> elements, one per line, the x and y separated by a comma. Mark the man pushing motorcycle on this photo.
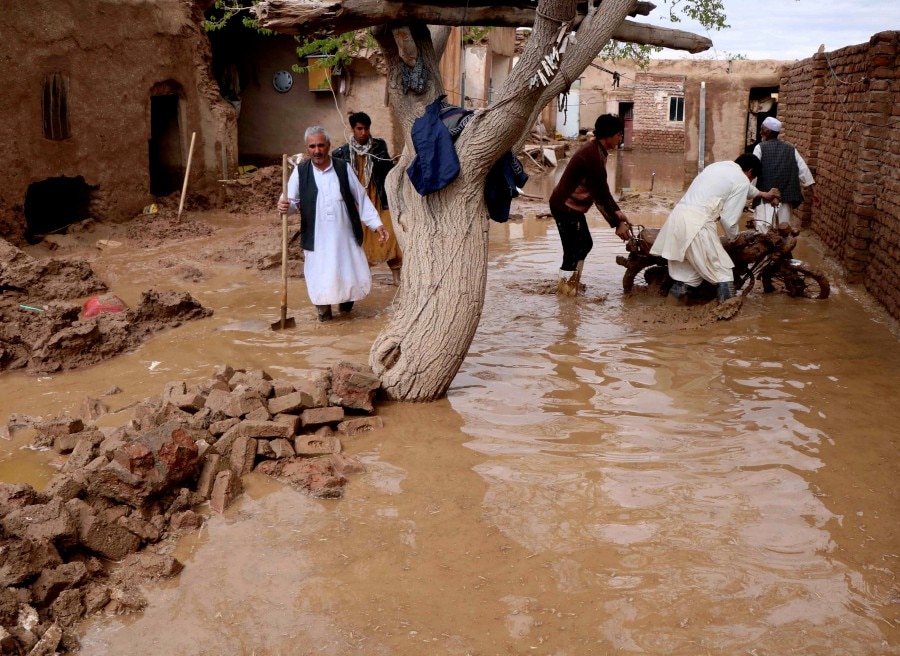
<point>689,239</point>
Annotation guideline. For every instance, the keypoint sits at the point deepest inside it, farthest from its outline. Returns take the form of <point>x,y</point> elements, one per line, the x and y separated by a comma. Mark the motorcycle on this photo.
<point>757,256</point>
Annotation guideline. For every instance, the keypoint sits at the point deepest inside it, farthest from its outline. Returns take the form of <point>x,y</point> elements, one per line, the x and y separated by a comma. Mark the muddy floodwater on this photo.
<point>596,482</point>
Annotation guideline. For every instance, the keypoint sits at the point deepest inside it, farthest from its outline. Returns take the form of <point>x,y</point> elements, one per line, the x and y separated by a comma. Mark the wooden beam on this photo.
<point>322,17</point>
<point>665,37</point>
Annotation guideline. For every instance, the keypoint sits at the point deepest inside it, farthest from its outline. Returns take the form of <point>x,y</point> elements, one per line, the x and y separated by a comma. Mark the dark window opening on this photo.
<point>166,166</point>
<point>53,204</point>
<point>626,113</point>
<point>676,108</point>
<point>55,107</point>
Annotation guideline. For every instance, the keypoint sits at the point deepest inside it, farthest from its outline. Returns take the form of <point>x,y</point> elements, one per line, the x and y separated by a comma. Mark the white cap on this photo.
<point>772,123</point>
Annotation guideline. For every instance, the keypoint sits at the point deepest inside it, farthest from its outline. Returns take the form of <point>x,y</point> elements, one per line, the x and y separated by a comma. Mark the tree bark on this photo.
<point>444,241</point>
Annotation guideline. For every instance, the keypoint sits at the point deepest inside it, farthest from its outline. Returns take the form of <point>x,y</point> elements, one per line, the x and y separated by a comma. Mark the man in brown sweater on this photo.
<point>583,184</point>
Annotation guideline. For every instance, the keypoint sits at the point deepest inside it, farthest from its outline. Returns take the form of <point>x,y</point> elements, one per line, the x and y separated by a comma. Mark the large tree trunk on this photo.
<point>444,235</point>
<point>444,241</point>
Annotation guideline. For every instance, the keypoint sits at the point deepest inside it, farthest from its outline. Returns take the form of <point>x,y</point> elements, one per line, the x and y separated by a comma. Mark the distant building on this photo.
<point>661,105</point>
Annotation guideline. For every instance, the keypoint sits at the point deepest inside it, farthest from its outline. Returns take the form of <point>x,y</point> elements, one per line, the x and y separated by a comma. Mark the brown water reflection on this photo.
<point>594,483</point>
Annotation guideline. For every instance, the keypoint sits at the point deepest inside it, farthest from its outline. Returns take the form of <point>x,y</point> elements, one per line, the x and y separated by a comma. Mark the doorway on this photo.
<point>626,113</point>
<point>763,102</point>
<point>166,163</point>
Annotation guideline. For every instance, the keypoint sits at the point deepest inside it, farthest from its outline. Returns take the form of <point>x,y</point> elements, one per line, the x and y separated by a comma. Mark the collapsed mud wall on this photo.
<point>99,103</point>
<point>841,109</point>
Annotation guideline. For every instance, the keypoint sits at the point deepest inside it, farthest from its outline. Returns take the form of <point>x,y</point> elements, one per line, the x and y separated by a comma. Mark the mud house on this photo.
<point>661,105</point>
<point>99,104</point>
<point>265,79</point>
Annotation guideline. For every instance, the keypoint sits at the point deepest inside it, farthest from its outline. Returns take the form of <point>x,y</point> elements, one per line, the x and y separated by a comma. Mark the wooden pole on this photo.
<point>284,240</point>
<point>187,172</point>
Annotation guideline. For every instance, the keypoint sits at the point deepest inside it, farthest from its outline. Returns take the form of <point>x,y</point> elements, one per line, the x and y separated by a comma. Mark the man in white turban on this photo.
<point>783,169</point>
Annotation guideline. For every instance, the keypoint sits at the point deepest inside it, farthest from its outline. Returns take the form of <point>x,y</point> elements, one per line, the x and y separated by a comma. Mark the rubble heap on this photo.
<point>120,493</point>
<point>42,330</point>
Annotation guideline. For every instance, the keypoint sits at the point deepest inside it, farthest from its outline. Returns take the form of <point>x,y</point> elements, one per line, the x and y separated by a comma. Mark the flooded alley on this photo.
<point>596,481</point>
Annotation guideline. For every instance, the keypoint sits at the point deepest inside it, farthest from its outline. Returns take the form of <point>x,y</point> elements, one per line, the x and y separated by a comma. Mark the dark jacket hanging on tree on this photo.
<point>436,164</point>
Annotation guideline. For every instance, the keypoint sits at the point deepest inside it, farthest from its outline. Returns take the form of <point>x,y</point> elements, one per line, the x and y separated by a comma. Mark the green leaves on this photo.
<point>223,11</point>
<point>337,49</point>
<point>709,13</point>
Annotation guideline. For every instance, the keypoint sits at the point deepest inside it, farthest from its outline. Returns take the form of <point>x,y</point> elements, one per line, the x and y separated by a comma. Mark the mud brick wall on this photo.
<point>841,110</point>
<point>653,131</point>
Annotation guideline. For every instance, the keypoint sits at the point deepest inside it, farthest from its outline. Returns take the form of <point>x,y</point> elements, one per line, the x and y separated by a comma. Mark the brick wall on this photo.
<point>841,110</point>
<point>653,131</point>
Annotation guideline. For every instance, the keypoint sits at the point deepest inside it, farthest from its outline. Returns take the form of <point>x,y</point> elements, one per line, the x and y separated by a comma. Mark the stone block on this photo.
<point>345,465</point>
<point>314,445</point>
<point>23,560</point>
<point>219,428</point>
<point>226,489</point>
<point>291,421</point>
<point>53,581</point>
<point>359,425</point>
<point>185,520</point>
<point>243,455</point>
<point>260,414</point>
<point>92,409</point>
<point>223,372</point>
<point>212,465</point>
<point>264,429</point>
<point>189,402</point>
<point>81,455</point>
<point>314,417</point>
<point>146,531</point>
<point>292,403</point>
<point>282,448</point>
<point>49,522</point>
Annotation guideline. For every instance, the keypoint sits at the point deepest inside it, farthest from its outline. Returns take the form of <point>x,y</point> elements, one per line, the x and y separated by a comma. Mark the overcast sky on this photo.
<point>787,29</point>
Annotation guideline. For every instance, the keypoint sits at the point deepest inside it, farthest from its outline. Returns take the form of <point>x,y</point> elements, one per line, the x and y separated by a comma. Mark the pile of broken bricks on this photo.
<point>120,492</point>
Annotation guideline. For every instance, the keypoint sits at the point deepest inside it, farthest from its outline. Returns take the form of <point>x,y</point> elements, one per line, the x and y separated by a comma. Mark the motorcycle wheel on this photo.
<point>632,268</point>
<point>796,280</point>
<point>652,274</point>
<point>628,279</point>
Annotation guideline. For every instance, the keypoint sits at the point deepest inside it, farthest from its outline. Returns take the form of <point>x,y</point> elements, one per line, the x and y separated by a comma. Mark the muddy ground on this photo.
<point>555,498</point>
<point>41,296</point>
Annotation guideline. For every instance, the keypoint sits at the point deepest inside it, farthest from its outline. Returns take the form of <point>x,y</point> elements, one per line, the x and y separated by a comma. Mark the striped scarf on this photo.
<point>365,150</point>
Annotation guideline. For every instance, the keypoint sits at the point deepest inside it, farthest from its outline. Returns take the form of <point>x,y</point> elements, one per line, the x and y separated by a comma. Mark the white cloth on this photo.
<point>337,270</point>
<point>689,235</point>
<point>764,214</point>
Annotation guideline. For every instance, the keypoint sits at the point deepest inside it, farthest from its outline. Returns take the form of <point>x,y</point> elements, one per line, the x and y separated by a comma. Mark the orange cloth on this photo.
<point>376,252</point>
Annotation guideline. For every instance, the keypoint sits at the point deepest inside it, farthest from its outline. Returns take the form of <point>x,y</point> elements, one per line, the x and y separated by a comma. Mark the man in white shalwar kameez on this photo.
<point>333,206</point>
<point>689,239</point>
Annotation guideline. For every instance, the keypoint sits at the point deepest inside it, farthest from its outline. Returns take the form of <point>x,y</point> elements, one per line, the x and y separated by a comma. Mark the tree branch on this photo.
<point>336,16</point>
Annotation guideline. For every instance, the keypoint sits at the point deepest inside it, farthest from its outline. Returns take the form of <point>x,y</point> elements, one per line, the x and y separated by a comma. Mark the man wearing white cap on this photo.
<point>783,169</point>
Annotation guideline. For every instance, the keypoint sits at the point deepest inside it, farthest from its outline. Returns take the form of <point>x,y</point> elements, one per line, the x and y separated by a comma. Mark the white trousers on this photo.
<point>704,259</point>
<point>764,214</point>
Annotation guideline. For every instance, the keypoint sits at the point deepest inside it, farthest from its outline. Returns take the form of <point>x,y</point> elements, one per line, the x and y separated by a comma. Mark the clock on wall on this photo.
<point>282,81</point>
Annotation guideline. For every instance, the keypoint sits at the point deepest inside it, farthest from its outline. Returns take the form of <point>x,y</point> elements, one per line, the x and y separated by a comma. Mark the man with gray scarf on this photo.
<point>369,159</point>
<point>783,169</point>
